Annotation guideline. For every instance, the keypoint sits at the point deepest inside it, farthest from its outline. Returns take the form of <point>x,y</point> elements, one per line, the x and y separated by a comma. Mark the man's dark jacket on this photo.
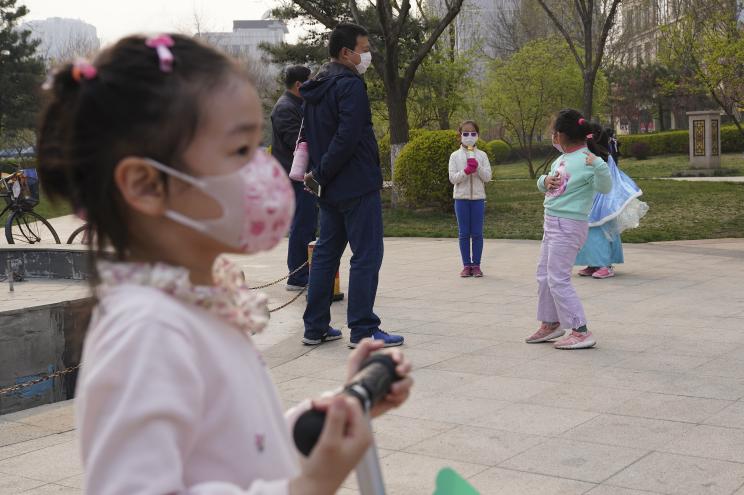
<point>286,118</point>
<point>344,156</point>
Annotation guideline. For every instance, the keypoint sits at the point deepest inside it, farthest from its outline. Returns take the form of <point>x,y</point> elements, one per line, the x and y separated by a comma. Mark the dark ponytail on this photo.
<point>571,123</point>
<point>123,105</point>
<point>599,143</point>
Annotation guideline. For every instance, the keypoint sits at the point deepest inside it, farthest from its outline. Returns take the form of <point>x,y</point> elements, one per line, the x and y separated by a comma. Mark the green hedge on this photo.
<point>384,144</point>
<point>422,169</point>
<point>659,143</point>
<point>499,152</point>
<point>731,139</point>
<point>677,142</point>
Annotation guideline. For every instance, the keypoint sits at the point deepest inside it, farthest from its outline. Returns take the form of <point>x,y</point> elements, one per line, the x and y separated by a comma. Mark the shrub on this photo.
<point>384,144</point>
<point>498,151</point>
<point>678,142</point>
<point>659,143</point>
<point>422,169</point>
<point>640,150</point>
<point>731,139</point>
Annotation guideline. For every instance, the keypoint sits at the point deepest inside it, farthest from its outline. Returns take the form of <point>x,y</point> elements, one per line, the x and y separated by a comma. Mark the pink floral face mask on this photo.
<point>257,204</point>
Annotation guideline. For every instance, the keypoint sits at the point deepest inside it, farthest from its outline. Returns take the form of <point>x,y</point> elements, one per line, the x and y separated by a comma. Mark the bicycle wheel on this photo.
<point>81,234</point>
<point>29,228</point>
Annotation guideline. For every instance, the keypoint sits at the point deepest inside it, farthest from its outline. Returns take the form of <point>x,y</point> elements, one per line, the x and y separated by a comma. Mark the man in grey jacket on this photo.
<point>286,120</point>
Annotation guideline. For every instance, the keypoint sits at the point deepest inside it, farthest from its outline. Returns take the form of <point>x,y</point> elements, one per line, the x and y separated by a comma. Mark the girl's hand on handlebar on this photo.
<point>346,437</point>
<point>400,390</point>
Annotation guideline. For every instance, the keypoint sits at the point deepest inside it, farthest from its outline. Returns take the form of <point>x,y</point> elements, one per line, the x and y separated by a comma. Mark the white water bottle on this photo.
<point>300,162</point>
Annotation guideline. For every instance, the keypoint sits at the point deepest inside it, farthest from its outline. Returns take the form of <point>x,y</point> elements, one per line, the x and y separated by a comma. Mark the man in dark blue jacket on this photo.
<point>286,120</point>
<point>345,162</point>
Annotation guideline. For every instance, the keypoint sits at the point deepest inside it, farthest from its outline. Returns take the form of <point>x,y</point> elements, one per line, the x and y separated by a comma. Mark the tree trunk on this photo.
<point>444,118</point>
<point>588,95</point>
<point>398,118</point>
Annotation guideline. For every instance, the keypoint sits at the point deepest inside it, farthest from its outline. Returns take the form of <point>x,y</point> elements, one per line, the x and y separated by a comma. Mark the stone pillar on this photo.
<point>705,139</point>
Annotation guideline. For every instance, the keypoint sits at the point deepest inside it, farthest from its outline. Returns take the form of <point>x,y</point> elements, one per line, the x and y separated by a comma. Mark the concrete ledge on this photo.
<point>44,333</point>
<point>49,263</point>
<point>39,341</point>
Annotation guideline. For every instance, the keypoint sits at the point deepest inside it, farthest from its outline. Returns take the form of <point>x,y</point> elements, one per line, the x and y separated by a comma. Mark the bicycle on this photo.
<point>20,190</point>
<point>83,232</point>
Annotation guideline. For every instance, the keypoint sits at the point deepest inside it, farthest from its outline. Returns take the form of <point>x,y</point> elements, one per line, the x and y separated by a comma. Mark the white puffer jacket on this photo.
<point>469,186</point>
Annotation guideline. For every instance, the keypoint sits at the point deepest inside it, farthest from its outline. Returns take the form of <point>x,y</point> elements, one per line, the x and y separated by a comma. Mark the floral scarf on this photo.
<point>230,299</point>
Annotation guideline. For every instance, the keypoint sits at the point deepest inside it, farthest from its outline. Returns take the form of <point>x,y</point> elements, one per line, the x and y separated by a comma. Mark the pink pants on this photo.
<point>557,299</point>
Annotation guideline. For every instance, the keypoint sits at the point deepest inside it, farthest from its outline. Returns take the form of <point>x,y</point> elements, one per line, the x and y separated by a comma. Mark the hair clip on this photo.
<point>590,136</point>
<point>582,121</point>
<point>162,44</point>
<point>82,69</point>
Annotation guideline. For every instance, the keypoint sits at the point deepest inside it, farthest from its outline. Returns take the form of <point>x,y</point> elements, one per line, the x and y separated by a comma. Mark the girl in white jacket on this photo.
<point>469,170</point>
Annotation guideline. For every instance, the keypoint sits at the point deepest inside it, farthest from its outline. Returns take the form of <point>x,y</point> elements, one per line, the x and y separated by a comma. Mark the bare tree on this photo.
<point>394,20</point>
<point>75,46</point>
<point>588,48</point>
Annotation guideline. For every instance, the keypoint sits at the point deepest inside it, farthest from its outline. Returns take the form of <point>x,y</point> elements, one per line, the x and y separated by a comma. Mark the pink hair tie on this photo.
<point>590,136</point>
<point>582,121</point>
<point>162,44</point>
<point>82,69</point>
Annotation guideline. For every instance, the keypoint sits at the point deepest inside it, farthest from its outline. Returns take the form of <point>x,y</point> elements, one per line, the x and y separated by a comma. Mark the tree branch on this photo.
<point>609,22</point>
<point>453,8</point>
<point>565,33</point>
<point>405,9</point>
<point>316,13</point>
<point>354,11</point>
<point>422,11</point>
<point>581,8</point>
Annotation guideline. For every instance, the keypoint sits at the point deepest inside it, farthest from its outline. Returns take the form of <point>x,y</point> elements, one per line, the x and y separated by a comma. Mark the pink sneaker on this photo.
<point>576,340</point>
<point>475,269</point>
<point>545,333</point>
<point>587,272</point>
<point>604,272</point>
<point>466,272</point>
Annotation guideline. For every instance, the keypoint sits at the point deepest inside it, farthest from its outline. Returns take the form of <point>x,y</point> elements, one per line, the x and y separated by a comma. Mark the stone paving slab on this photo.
<point>656,408</point>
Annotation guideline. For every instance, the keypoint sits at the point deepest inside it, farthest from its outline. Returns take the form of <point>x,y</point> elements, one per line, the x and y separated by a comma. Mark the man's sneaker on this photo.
<point>331,334</point>
<point>576,340</point>
<point>587,272</point>
<point>296,288</point>
<point>390,340</point>
<point>545,333</point>
<point>475,269</point>
<point>466,272</point>
<point>604,272</point>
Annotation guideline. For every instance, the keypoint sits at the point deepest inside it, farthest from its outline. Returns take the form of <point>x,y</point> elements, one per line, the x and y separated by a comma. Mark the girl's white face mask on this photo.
<point>469,141</point>
<point>257,204</point>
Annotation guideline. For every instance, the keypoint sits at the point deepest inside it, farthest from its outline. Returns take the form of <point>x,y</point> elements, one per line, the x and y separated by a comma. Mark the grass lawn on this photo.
<point>657,166</point>
<point>678,210</point>
<point>48,210</point>
<point>45,208</point>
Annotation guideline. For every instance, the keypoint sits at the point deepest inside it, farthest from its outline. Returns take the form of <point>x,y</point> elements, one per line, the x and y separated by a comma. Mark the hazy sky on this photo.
<point>116,18</point>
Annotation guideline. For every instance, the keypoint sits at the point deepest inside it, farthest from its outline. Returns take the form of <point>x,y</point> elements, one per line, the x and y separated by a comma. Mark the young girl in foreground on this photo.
<point>469,170</point>
<point>569,192</point>
<point>157,142</point>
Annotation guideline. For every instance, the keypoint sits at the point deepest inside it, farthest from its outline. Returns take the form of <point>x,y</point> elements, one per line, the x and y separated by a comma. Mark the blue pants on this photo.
<point>357,222</point>
<point>301,233</point>
<point>470,214</point>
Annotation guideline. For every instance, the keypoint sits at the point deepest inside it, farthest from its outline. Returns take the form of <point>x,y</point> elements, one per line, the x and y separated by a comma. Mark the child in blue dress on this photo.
<point>611,213</point>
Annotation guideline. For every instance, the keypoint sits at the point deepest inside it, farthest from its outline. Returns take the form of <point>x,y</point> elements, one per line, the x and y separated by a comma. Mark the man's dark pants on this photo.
<point>357,222</point>
<point>302,232</point>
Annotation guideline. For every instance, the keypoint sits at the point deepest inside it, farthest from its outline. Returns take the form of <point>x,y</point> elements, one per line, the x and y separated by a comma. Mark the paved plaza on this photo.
<point>656,408</point>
